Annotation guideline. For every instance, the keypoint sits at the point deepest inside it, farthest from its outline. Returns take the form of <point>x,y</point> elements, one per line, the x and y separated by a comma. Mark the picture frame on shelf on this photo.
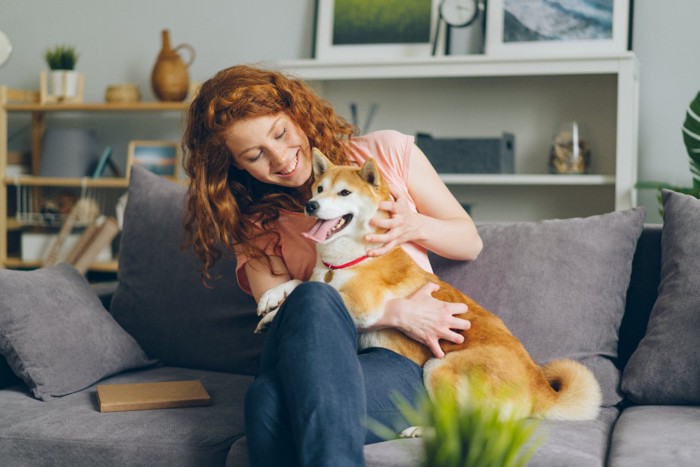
<point>347,30</point>
<point>571,28</point>
<point>160,157</point>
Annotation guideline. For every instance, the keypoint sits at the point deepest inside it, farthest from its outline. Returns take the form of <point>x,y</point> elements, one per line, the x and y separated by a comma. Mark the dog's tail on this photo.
<point>576,392</point>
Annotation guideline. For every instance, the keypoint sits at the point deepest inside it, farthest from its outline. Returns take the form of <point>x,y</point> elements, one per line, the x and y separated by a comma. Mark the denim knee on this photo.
<point>315,300</point>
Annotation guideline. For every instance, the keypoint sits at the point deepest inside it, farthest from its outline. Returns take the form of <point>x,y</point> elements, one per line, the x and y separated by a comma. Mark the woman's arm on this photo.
<point>261,277</point>
<point>441,224</point>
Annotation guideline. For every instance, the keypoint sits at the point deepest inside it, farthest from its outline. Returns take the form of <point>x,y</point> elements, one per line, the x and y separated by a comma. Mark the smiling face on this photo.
<point>272,149</point>
<point>344,199</point>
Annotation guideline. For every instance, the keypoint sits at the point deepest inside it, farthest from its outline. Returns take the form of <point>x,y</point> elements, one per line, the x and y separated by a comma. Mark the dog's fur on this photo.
<point>508,377</point>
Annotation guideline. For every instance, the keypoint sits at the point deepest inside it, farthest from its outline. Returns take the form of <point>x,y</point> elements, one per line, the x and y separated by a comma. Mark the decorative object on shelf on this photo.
<point>455,14</point>
<point>68,152</point>
<point>691,140</point>
<point>355,119</point>
<point>62,83</point>
<point>570,152</point>
<point>559,27</point>
<point>5,48</point>
<point>85,211</point>
<point>469,155</point>
<point>122,92</point>
<point>170,79</point>
<point>357,29</point>
<point>104,161</point>
<point>160,157</point>
<point>18,163</point>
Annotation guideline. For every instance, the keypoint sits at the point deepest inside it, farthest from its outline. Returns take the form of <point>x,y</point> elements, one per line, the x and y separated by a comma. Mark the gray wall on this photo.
<point>119,40</point>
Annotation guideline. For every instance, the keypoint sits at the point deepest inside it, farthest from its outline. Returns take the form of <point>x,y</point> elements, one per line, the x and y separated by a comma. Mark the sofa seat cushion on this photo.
<point>71,430</point>
<point>573,444</point>
<point>656,435</point>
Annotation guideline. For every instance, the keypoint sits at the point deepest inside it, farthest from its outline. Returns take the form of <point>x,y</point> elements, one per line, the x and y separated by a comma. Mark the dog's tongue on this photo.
<point>320,229</point>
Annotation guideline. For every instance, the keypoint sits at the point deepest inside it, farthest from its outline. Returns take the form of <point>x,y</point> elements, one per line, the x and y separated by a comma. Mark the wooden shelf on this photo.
<point>99,107</point>
<point>17,263</point>
<point>29,180</point>
<point>527,179</point>
<point>455,66</point>
<point>17,101</point>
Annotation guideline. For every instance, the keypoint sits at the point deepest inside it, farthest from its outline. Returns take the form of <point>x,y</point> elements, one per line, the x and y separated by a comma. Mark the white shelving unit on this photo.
<point>477,96</point>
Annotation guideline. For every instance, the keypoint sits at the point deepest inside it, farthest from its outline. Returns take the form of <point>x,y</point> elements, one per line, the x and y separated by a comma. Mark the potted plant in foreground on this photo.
<point>63,78</point>
<point>462,434</point>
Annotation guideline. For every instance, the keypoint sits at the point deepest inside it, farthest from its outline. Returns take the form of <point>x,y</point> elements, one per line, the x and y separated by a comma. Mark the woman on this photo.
<point>248,142</point>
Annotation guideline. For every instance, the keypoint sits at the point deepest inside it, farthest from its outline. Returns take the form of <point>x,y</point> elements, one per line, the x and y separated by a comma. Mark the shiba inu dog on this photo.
<point>344,199</point>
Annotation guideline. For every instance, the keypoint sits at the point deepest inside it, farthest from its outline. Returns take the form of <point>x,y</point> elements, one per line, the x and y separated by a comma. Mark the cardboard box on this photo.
<point>470,155</point>
<point>35,247</point>
<point>148,396</point>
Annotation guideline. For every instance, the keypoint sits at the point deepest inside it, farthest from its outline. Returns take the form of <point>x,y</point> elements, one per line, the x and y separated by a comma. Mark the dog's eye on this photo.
<point>319,189</point>
<point>344,192</point>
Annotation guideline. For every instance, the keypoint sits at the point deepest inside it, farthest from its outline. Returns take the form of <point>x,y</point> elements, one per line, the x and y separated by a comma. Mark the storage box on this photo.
<point>35,246</point>
<point>469,155</point>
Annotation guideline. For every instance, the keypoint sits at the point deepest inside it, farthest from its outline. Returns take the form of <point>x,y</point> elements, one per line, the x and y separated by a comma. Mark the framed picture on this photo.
<point>160,157</point>
<point>557,27</point>
<point>374,29</point>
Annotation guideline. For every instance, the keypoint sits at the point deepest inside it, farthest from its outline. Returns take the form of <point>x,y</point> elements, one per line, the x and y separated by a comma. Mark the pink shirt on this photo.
<point>391,151</point>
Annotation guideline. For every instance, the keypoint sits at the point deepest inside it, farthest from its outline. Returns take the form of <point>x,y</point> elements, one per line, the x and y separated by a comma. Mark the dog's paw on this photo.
<point>413,432</point>
<point>273,298</point>
<point>264,323</point>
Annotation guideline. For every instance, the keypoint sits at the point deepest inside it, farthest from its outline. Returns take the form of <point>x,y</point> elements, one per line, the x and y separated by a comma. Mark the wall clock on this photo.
<point>5,48</point>
<point>456,14</point>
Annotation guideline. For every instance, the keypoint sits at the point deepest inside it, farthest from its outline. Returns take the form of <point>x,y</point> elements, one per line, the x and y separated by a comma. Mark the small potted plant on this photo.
<point>460,434</point>
<point>63,77</point>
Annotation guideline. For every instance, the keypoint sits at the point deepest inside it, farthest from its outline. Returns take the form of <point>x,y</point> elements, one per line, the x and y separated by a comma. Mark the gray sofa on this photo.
<point>579,288</point>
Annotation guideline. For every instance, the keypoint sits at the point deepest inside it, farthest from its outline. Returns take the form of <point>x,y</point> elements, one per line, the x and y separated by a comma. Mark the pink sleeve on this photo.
<point>392,151</point>
<point>242,259</point>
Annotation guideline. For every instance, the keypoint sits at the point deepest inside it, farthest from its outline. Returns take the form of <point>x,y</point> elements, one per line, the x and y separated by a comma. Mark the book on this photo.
<point>148,396</point>
<point>102,163</point>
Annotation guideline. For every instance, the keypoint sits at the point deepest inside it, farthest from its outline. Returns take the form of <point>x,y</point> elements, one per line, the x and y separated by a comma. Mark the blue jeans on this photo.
<point>313,393</point>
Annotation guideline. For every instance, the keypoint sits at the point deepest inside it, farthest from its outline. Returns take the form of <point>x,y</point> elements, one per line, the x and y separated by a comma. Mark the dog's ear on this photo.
<point>320,162</point>
<point>370,173</point>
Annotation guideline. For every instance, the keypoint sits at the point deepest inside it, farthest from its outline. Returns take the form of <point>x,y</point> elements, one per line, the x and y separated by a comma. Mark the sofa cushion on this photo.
<point>161,300</point>
<point>72,432</point>
<point>559,285</point>
<point>574,444</point>
<point>665,369</point>
<point>56,335</point>
<point>650,436</point>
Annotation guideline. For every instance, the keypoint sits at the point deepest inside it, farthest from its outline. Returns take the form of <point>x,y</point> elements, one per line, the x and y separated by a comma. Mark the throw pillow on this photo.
<point>665,367</point>
<point>559,285</point>
<point>55,334</point>
<point>161,300</point>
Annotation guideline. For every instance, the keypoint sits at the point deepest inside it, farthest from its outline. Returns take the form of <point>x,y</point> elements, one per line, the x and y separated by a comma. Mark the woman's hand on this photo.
<point>403,225</point>
<point>427,320</point>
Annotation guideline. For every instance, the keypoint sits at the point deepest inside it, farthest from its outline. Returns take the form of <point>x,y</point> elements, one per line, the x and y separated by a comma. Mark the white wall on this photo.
<point>119,40</point>
<point>666,40</point>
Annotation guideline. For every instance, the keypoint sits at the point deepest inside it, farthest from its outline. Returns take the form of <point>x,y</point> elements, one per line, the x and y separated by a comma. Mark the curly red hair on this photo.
<point>225,202</point>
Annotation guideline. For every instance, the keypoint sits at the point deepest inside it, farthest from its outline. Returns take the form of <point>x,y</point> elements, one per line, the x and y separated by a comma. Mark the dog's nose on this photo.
<point>311,207</point>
